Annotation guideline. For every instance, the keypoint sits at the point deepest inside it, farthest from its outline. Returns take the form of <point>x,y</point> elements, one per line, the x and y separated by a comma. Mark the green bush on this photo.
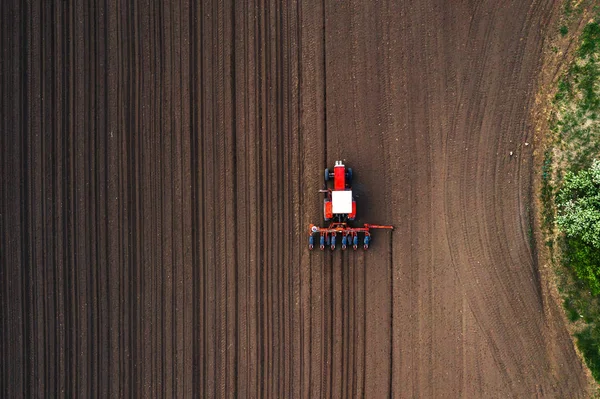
<point>590,39</point>
<point>578,202</point>
<point>584,260</point>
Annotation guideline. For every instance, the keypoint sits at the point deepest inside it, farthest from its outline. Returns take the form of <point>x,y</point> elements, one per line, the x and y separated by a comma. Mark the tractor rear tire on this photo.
<point>349,175</point>
<point>326,174</point>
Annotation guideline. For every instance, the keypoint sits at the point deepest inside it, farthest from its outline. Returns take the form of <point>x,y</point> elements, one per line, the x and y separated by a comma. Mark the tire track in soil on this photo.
<point>162,162</point>
<point>355,82</point>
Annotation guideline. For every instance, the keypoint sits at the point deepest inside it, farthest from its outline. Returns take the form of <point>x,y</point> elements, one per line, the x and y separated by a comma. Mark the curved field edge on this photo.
<point>569,122</point>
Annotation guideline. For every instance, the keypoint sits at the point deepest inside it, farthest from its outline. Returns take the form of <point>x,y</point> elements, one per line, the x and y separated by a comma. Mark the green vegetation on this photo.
<point>547,193</point>
<point>570,188</point>
<point>578,203</point>
<point>587,342</point>
<point>575,7</point>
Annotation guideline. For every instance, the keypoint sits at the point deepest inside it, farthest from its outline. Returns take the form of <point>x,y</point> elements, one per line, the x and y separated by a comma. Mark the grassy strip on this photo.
<point>574,143</point>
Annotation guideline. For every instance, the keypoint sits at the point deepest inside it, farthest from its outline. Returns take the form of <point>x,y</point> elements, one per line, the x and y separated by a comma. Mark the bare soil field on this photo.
<point>160,163</point>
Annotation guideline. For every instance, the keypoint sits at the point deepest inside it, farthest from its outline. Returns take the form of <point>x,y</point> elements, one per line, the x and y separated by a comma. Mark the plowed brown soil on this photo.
<point>160,163</point>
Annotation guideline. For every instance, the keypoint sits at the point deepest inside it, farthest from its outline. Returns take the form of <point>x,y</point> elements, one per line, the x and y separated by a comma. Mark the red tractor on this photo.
<point>339,207</point>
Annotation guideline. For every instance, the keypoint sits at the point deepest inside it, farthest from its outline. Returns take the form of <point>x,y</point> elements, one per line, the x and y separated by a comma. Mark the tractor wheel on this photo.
<point>326,174</point>
<point>349,175</point>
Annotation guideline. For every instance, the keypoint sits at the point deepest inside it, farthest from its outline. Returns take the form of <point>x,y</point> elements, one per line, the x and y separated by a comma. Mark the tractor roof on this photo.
<point>341,202</point>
